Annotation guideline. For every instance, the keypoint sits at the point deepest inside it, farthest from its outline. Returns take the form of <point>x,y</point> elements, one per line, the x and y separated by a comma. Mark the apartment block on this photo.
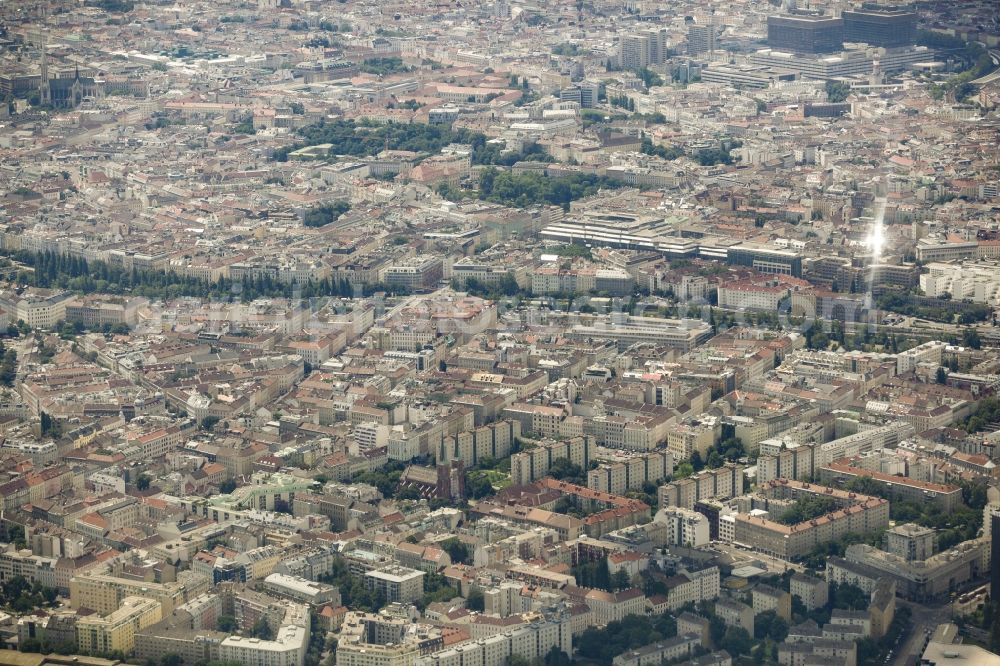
<point>818,651</point>
<point>721,483</point>
<point>683,439</point>
<point>415,273</point>
<point>538,420</point>
<point>631,473</point>
<point>692,623</point>
<point>615,606</point>
<point>922,580</point>
<point>692,586</point>
<point>910,541</point>
<point>633,432</point>
<point>813,592</point>
<point>287,649</point>
<point>116,631</point>
<point>302,590</point>
<point>534,463</point>
<point>859,514</point>
<point>882,609</point>
<point>791,463</point>
<point>735,614</point>
<point>803,461</point>
<point>38,308</point>
<point>104,592</point>
<point>531,641</point>
<point>681,646</point>
<point>684,527</point>
<point>840,571</point>
<point>946,497</point>
<point>701,39</point>
<point>768,598</point>
<point>95,312</point>
<point>396,583</point>
<point>494,441</point>
<point>642,49</point>
<point>566,527</point>
<point>175,635</point>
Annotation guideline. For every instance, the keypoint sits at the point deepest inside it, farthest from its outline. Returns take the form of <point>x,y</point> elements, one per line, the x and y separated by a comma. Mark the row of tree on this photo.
<point>507,287</point>
<point>986,414</point>
<point>650,148</point>
<point>364,139</point>
<point>597,575</point>
<point>385,66</point>
<point>58,271</point>
<point>8,367</point>
<point>953,527</point>
<point>353,592</point>
<point>622,102</point>
<point>601,646</point>
<point>729,449</point>
<point>524,190</point>
<point>324,214</point>
<point>22,596</point>
<point>933,309</point>
<point>808,508</point>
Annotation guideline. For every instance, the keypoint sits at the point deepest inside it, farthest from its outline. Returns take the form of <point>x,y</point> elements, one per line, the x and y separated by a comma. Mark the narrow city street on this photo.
<point>923,621</point>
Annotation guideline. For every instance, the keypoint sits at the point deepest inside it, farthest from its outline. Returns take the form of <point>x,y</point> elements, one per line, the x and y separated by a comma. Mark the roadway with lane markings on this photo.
<point>992,76</point>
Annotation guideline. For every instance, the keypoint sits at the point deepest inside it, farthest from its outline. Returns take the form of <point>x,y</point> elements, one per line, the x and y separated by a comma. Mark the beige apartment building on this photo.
<point>534,463</point>
<point>116,631</point>
<point>683,439</point>
<point>105,593</point>
<point>721,483</point>
<point>735,614</point>
<point>859,514</point>
<point>631,473</point>
<point>813,592</point>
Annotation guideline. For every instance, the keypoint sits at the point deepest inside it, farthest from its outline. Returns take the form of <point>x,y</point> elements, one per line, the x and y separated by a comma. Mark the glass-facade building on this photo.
<point>805,34</point>
<point>887,27</point>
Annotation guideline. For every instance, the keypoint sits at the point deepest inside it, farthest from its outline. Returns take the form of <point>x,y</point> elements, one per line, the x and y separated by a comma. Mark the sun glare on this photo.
<point>876,240</point>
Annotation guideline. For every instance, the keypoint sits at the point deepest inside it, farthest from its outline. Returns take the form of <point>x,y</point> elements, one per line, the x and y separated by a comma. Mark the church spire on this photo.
<point>44,91</point>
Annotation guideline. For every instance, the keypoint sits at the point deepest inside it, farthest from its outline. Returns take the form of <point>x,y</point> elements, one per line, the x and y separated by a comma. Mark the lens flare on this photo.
<point>876,240</point>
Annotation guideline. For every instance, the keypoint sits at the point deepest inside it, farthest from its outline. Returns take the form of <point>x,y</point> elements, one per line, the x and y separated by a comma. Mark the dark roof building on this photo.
<point>806,33</point>
<point>881,25</point>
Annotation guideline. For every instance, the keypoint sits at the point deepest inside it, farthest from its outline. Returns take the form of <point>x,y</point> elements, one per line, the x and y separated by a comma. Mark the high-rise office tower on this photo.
<point>805,33</point>
<point>880,25</point>
<point>992,530</point>
<point>584,93</point>
<point>642,49</point>
<point>701,39</point>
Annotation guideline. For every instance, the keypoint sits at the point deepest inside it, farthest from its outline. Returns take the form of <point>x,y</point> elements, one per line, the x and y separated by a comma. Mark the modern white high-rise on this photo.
<point>684,527</point>
<point>287,649</point>
<point>910,541</point>
<point>727,527</point>
<point>396,583</point>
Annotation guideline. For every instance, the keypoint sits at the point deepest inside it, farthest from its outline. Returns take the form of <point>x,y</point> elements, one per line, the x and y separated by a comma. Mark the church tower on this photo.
<point>876,78</point>
<point>44,91</point>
